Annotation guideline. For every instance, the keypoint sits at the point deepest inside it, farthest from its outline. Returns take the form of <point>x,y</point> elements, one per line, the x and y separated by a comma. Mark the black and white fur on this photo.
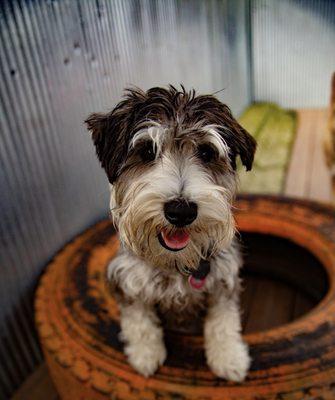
<point>158,146</point>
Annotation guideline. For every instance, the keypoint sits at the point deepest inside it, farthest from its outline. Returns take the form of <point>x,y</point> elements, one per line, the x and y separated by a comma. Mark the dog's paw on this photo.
<point>230,361</point>
<point>146,357</point>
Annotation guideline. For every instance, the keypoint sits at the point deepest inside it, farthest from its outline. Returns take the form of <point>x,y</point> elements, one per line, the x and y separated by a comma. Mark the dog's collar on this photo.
<point>200,273</point>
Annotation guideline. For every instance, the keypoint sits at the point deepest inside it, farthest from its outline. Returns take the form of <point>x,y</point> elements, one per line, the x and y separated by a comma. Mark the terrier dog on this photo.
<point>170,157</point>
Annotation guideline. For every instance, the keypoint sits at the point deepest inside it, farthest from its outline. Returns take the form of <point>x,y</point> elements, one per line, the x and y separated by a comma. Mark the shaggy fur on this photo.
<point>158,146</point>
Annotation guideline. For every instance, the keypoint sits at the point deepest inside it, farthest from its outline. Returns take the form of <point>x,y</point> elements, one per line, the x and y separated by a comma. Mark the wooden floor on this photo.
<point>283,304</point>
<point>307,177</point>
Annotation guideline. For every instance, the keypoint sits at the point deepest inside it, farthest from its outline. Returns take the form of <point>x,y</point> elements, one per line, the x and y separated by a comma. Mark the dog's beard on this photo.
<point>140,220</point>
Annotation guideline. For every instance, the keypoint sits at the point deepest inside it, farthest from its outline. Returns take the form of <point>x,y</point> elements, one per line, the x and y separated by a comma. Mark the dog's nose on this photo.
<point>180,213</point>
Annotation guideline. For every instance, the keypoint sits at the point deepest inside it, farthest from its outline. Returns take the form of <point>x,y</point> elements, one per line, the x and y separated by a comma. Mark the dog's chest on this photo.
<point>170,290</point>
<point>174,293</point>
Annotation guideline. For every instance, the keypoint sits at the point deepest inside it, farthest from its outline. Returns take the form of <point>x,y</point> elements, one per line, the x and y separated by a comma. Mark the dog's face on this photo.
<point>170,157</point>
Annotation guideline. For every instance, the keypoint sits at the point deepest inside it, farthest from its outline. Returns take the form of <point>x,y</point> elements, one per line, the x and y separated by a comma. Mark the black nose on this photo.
<point>180,213</point>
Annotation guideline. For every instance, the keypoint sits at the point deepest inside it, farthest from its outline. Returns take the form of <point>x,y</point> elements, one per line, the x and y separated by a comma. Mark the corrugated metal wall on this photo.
<point>293,51</point>
<point>62,59</point>
<point>59,61</point>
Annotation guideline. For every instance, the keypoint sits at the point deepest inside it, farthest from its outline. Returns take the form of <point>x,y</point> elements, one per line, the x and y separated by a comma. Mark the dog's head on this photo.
<point>170,157</point>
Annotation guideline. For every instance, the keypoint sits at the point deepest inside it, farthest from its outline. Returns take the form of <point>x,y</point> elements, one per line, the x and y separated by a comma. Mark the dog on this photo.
<point>170,157</point>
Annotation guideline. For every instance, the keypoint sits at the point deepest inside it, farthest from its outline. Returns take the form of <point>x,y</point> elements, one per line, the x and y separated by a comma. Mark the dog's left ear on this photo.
<point>239,141</point>
<point>242,144</point>
<point>247,149</point>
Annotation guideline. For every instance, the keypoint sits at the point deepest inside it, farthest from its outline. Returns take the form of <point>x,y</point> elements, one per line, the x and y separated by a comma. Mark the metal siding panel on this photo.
<point>59,61</point>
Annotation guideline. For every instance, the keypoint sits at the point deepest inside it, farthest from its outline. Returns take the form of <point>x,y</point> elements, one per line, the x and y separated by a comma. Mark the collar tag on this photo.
<point>196,283</point>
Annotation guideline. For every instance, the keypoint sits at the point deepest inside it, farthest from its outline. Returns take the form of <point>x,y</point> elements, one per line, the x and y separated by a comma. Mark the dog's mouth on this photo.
<point>174,241</point>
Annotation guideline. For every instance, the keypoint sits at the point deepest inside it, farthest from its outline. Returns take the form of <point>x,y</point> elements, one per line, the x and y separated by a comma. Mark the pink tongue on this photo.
<point>176,240</point>
<point>196,283</point>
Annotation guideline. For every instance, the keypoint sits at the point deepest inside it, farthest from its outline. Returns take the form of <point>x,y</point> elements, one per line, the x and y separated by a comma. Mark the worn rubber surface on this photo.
<point>77,321</point>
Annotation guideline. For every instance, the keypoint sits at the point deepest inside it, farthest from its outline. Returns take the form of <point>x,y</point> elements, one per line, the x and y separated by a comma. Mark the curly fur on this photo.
<point>170,125</point>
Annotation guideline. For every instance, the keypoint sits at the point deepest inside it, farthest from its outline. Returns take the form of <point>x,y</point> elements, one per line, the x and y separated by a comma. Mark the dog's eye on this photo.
<point>147,151</point>
<point>206,153</point>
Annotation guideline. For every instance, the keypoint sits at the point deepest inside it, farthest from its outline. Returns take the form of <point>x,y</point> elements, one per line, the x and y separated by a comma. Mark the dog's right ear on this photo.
<point>110,140</point>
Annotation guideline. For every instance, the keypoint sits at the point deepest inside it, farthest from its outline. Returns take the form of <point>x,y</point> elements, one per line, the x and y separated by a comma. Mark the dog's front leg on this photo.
<point>143,337</point>
<point>227,355</point>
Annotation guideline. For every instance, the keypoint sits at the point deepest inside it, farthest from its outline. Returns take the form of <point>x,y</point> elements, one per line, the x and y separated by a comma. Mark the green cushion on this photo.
<point>274,129</point>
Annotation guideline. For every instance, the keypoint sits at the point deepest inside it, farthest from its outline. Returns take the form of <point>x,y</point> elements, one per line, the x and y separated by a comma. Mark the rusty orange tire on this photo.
<point>77,321</point>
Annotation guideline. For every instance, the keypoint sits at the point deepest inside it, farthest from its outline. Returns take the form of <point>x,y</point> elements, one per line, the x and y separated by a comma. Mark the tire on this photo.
<point>77,321</point>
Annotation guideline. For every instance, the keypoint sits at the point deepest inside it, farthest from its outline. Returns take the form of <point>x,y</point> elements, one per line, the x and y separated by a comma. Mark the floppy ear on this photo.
<point>110,140</point>
<point>241,143</point>
<point>98,125</point>
<point>244,145</point>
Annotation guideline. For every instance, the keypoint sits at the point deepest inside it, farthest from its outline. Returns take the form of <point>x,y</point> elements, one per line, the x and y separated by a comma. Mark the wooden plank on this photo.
<point>271,306</point>
<point>308,175</point>
<point>299,166</point>
<point>302,305</point>
<point>320,177</point>
<point>38,386</point>
<point>329,139</point>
